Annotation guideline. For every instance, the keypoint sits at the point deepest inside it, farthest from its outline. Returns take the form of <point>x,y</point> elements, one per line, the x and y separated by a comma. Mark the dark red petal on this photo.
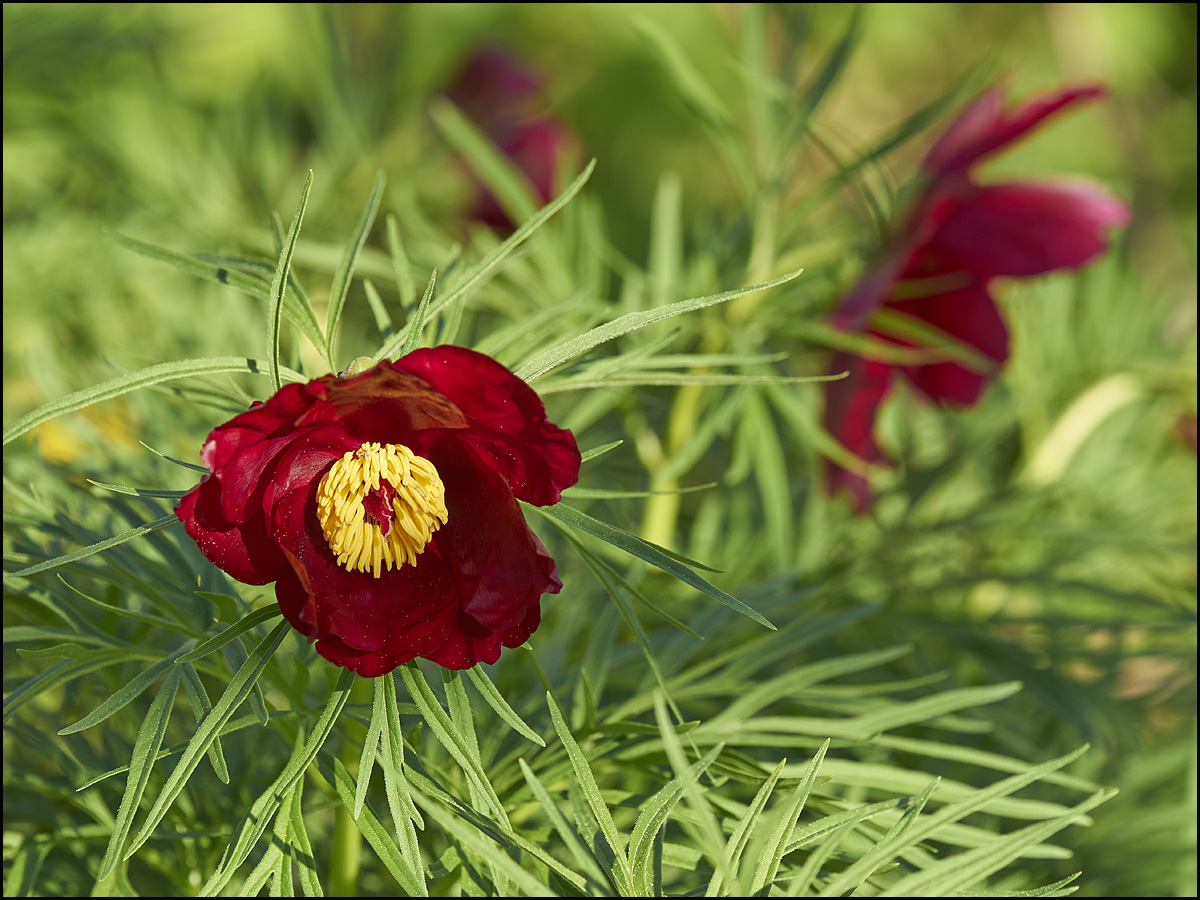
<point>494,87</point>
<point>983,127</point>
<point>850,407</point>
<point>499,565</point>
<point>367,624</point>
<point>507,420</point>
<point>969,315</point>
<point>245,551</point>
<point>386,405</point>
<point>1023,229</point>
<point>241,453</point>
<point>468,645</point>
<point>276,416</point>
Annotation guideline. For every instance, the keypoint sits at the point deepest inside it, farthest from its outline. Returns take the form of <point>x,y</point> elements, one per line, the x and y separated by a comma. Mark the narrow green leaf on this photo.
<point>115,387</point>
<point>448,734</point>
<point>480,271</point>
<point>125,695</point>
<point>344,273</point>
<point>122,612</point>
<point>303,858</point>
<point>383,321</point>
<point>237,691</point>
<point>651,819</point>
<point>404,284</point>
<point>407,872</point>
<point>778,843</point>
<point>601,494</point>
<point>145,752</point>
<point>234,631</point>
<point>591,793</point>
<point>898,714</point>
<point>498,173</point>
<point>567,350</point>
<point>650,553</point>
<point>366,762</point>
<point>686,77</point>
<point>395,782</point>
<point>886,849</point>
<point>585,860</point>
<point>418,319</point>
<point>295,304</point>
<point>201,707</point>
<point>597,451</point>
<point>255,820</point>
<point>947,876</point>
<point>741,833</point>
<point>711,840</point>
<point>275,298</point>
<point>488,691</point>
<point>476,842</point>
<point>982,798</point>
<point>178,462</point>
<point>137,492</point>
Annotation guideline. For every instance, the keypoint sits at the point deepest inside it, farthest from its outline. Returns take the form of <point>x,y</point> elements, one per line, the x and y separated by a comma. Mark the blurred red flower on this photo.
<point>502,96</point>
<point>938,266</point>
<point>384,507</point>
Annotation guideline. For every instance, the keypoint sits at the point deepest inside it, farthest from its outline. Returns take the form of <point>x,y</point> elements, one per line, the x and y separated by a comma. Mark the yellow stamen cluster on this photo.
<point>418,507</point>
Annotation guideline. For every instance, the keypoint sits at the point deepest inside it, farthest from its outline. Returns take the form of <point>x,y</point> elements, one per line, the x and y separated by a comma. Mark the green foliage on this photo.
<point>940,698</point>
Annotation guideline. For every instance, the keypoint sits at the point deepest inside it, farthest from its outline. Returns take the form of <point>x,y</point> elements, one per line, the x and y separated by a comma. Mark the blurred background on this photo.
<point>187,125</point>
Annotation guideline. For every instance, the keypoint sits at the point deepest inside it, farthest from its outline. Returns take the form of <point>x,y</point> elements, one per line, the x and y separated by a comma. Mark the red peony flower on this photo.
<point>939,264</point>
<point>384,507</point>
<point>500,95</point>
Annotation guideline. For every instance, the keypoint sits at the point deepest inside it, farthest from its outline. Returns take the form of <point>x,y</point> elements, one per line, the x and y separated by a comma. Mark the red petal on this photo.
<point>245,551</point>
<point>367,624</point>
<point>969,315</point>
<point>983,127</point>
<point>1025,229</point>
<point>507,420</point>
<point>500,567</point>
<point>850,407</point>
<point>386,405</point>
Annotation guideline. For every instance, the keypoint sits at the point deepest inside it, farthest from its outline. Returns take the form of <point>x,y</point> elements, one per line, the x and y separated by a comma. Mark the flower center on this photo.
<point>379,506</point>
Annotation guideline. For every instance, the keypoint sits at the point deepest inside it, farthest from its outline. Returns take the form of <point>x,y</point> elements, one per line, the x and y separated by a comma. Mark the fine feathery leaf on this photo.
<point>481,270</point>
<point>239,688</point>
<point>777,844</point>
<point>145,752</point>
<point>496,701</point>
<point>295,304</point>
<point>408,872</point>
<point>344,273</point>
<point>95,548</point>
<point>125,695</point>
<point>236,630</point>
<point>275,298</point>
<point>585,860</point>
<point>650,553</point>
<point>953,874</point>
<point>115,387</point>
<point>254,822</point>
<point>569,349</point>
<point>418,319</point>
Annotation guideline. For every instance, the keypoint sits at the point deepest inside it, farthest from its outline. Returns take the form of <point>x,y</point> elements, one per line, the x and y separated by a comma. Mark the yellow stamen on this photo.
<point>418,507</point>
